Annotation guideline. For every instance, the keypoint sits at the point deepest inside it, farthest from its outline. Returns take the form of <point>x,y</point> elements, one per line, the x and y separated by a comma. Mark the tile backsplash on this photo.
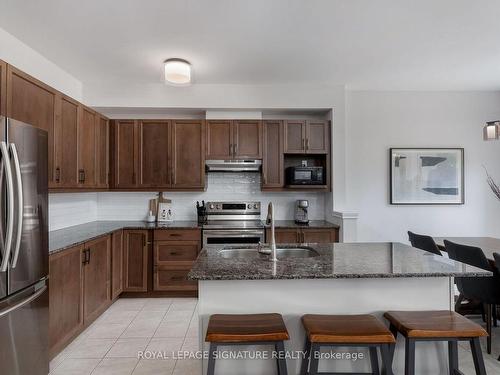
<point>70,209</point>
<point>221,186</point>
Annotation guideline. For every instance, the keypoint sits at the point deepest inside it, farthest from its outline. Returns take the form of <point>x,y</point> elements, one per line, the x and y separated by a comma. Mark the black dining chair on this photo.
<point>423,242</point>
<point>496,256</point>
<point>483,289</point>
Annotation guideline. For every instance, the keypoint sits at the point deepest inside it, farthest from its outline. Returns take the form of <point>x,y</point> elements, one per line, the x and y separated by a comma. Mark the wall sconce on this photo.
<point>491,130</point>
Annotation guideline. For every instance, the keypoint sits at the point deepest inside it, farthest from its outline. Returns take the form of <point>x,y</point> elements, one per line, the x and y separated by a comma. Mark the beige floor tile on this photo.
<point>57,360</point>
<point>118,317</point>
<point>154,367</point>
<point>191,345</point>
<point>178,316</point>
<point>127,348</point>
<point>172,329</point>
<point>157,304</point>
<point>187,367</point>
<point>91,348</point>
<point>140,330</point>
<point>129,304</point>
<point>107,331</point>
<point>116,366</point>
<point>168,346</point>
<point>76,366</point>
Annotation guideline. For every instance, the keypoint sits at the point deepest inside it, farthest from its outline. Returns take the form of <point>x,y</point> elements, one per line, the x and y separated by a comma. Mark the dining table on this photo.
<point>489,245</point>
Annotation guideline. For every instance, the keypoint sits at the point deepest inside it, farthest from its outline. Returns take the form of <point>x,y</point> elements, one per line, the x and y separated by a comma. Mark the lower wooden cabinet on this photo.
<point>65,297</point>
<point>136,260</point>
<point>304,235</point>
<point>173,279</point>
<point>116,264</point>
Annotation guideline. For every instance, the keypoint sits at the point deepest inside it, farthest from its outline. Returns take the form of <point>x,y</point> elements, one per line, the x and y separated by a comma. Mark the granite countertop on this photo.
<point>312,224</point>
<point>339,260</point>
<point>68,237</point>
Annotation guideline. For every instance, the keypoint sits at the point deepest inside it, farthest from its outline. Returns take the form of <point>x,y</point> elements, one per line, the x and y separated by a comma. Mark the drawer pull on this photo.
<point>177,278</point>
<point>175,234</point>
<point>174,253</point>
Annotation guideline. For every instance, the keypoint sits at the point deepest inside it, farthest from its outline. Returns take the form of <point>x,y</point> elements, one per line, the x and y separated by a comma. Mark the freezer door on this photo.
<point>24,332</point>
<point>28,154</point>
<point>3,217</point>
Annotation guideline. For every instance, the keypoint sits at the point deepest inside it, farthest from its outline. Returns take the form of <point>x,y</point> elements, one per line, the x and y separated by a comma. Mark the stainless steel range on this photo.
<point>233,223</point>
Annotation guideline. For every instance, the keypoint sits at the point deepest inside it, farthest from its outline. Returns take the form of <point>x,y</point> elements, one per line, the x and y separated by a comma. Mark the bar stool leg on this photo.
<point>374,360</point>
<point>280,349</point>
<point>392,347</point>
<point>452,357</point>
<point>315,352</point>
<point>410,357</point>
<point>477,356</point>
<point>385,350</point>
<point>305,361</point>
<point>489,311</point>
<point>211,359</point>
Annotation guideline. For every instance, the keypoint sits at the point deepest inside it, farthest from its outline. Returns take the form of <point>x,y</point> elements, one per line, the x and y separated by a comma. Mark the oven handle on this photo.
<point>238,233</point>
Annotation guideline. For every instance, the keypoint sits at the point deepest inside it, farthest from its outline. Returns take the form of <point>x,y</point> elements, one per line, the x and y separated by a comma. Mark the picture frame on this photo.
<point>427,176</point>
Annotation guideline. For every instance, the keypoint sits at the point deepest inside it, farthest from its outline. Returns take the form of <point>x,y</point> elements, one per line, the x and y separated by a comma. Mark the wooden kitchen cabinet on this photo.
<point>3,88</point>
<point>187,156</point>
<point>273,174</point>
<point>96,278</point>
<point>65,297</point>
<point>32,102</point>
<point>66,143</point>
<point>116,264</point>
<point>102,152</point>
<point>87,148</point>
<point>154,149</point>
<point>234,139</point>
<point>174,279</point>
<point>307,137</point>
<point>285,235</point>
<point>304,235</point>
<point>124,154</point>
<point>136,260</point>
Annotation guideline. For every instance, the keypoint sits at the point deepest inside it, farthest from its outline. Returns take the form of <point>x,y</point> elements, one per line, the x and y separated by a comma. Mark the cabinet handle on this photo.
<point>303,144</point>
<point>88,252</point>
<point>58,175</point>
<point>177,278</point>
<point>307,144</point>
<point>175,234</point>
<point>174,253</point>
<point>235,148</point>
<point>231,150</point>
<point>81,176</point>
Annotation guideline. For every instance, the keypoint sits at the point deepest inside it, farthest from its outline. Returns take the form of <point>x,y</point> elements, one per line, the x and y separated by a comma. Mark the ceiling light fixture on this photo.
<point>491,130</point>
<point>177,71</point>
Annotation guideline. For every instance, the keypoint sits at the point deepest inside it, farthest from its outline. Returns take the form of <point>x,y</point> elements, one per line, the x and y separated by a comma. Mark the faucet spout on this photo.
<point>270,220</point>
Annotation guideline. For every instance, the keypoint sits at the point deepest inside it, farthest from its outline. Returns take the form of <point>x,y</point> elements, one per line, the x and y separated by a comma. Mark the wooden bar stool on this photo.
<point>346,330</point>
<point>252,329</point>
<point>437,326</point>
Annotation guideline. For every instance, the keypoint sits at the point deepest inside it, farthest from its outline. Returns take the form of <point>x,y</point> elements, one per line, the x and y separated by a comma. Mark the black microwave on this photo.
<point>305,176</point>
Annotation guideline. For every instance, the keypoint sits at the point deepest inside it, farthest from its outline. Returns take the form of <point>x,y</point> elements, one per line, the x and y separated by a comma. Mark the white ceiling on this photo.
<point>378,44</point>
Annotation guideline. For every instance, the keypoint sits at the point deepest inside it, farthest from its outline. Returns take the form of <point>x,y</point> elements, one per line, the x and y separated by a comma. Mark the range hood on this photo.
<point>249,165</point>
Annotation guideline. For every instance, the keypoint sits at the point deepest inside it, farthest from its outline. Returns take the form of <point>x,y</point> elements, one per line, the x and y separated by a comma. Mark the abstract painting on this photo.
<point>427,175</point>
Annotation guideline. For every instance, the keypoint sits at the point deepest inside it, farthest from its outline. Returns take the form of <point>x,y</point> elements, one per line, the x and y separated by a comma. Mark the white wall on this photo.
<point>70,209</point>
<point>23,57</point>
<point>377,121</point>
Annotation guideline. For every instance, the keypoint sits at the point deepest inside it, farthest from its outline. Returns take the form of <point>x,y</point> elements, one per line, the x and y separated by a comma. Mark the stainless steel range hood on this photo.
<point>249,165</point>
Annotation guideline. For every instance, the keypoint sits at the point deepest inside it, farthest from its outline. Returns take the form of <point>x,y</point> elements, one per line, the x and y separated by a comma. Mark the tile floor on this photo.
<point>110,345</point>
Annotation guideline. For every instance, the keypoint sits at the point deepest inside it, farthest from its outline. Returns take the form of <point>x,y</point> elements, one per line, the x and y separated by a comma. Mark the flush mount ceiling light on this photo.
<point>491,130</point>
<point>177,71</point>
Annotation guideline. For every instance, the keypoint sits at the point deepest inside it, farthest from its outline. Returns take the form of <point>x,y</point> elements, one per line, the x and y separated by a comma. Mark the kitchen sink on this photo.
<point>281,252</point>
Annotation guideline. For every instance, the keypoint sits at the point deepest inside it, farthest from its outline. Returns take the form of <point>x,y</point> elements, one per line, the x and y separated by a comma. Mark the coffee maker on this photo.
<point>301,207</point>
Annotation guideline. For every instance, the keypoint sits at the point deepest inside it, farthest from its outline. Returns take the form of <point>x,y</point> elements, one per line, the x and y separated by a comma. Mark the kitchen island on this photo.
<point>341,278</point>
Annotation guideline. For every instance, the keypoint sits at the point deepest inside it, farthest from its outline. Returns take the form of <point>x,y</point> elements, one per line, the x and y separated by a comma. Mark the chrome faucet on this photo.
<point>270,220</point>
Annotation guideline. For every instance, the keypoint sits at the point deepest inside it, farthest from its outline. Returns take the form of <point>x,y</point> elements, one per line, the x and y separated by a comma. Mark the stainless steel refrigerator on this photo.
<point>24,269</point>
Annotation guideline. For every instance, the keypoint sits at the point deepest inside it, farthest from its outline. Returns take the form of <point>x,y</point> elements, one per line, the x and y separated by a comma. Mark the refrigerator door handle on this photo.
<point>7,245</point>
<point>20,204</point>
<point>25,301</point>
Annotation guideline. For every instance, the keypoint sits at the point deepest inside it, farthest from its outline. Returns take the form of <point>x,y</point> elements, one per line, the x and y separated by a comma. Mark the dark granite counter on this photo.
<point>319,224</point>
<point>339,260</point>
<point>68,237</point>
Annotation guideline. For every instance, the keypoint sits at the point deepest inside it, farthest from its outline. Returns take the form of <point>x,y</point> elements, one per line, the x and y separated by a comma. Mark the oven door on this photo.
<point>232,237</point>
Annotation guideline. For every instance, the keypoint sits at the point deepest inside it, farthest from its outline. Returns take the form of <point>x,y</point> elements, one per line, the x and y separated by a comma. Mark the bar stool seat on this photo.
<point>346,330</point>
<point>247,329</point>
<point>442,325</point>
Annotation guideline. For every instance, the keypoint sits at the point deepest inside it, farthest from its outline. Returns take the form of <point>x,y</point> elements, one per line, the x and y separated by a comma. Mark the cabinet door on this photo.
<point>154,147</point>
<point>272,169</point>
<point>173,279</point>
<point>135,254</point>
<point>188,154</point>
<point>125,154</point>
<point>317,137</point>
<point>96,278</point>
<point>66,143</point>
<point>175,252</point>
<point>87,148</point>
<point>3,88</point>
<point>116,264</point>
<point>65,297</point>
<point>219,139</point>
<point>32,102</point>
<point>102,152</point>
<point>295,136</point>
<point>247,139</point>
<point>313,235</point>
<point>283,235</point>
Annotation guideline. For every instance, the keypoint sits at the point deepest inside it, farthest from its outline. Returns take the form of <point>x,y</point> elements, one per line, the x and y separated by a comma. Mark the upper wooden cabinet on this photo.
<point>102,152</point>
<point>272,169</point>
<point>124,153</point>
<point>3,88</point>
<point>87,148</point>
<point>234,139</point>
<point>154,148</point>
<point>32,102</point>
<point>307,137</point>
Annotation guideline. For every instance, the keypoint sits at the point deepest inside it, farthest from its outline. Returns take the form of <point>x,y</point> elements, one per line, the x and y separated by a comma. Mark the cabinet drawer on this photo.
<point>172,279</point>
<point>175,251</point>
<point>177,235</point>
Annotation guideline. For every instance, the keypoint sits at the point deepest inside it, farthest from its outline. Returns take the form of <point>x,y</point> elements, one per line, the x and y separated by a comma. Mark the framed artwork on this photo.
<point>427,176</point>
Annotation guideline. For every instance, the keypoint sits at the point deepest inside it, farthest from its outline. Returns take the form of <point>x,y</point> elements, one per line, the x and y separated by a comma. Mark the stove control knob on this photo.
<point>255,206</point>
<point>218,206</point>
<point>212,206</point>
<point>249,206</point>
